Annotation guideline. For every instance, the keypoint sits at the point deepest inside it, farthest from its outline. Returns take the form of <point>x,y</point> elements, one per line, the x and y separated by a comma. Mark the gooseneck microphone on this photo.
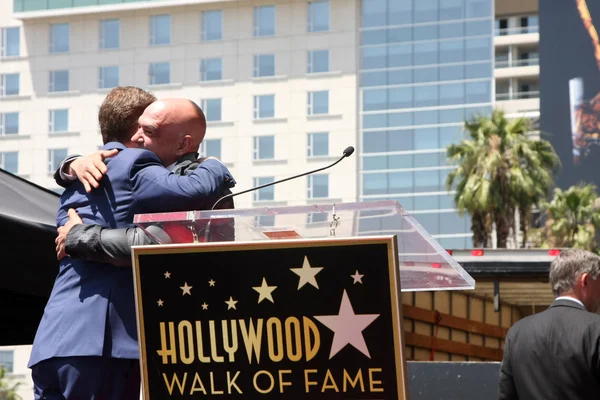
<point>347,153</point>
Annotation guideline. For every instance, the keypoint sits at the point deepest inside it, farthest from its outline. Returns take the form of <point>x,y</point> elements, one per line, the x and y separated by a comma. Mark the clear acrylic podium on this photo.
<point>424,264</point>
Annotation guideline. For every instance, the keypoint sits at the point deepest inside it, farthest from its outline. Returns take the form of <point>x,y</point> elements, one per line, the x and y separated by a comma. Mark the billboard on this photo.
<point>570,86</point>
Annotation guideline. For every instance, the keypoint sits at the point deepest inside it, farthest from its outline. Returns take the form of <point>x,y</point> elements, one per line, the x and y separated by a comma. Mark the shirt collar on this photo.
<point>572,299</point>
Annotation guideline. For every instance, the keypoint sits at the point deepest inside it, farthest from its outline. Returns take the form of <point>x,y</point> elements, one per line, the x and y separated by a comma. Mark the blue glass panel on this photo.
<point>374,100</point>
<point>427,160</point>
<point>479,70</point>
<point>374,163</point>
<point>452,30</point>
<point>426,10</point>
<point>375,121</point>
<point>450,135</point>
<point>375,183</point>
<point>451,94</point>
<point>400,140</point>
<point>400,119</point>
<point>452,73</point>
<point>451,9</point>
<point>400,182</point>
<point>453,115</point>
<point>451,222</point>
<point>374,57</point>
<point>400,98</point>
<point>318,16</point>
<point>400,161</point>
<point>110,34</point>
<point>479,8</point>
<point>13,41</point>
<point>212,25</point>
<point>264,21</point>
<point>374,13</point>
<point>160,29</point>
<point>427,181</point>
<point>479,28</point>
<point>368,79</point>
<point>374,142</point>
<point>479,92</point>
<point>426,96</point>
<point>400,12</point>
<point>456,242</point>
<point>431,222</point>
<point>426,117</point>
<point>478,49</point>
<point>426,74</point>
<point>426,138</point>
<point>426,202</point>
<point>426,32</point>
<point>425,53</point>
<point>398,35</point>
<point>400,55</point>
<point>452,51</point>
<point>400,77</point>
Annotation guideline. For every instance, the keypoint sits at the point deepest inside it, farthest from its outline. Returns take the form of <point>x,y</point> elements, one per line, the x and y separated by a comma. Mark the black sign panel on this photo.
<point>295,319</point>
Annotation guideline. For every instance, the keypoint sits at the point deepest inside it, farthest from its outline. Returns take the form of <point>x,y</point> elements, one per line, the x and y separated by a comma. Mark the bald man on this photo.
<point>86,344</point>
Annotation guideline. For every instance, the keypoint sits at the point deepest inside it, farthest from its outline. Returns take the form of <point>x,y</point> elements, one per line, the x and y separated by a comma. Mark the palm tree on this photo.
<point>8,390</point>
<point>499,171</point>
<point>573,218</point>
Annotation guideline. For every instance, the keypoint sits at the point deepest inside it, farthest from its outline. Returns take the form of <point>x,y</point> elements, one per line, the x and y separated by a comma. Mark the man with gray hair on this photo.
<point>556,354</point>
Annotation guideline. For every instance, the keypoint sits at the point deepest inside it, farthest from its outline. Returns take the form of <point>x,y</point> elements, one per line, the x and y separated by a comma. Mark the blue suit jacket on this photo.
<point>91,310</point>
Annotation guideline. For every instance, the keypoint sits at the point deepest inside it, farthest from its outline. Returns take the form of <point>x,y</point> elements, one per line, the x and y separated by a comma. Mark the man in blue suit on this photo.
<point>86,344</point>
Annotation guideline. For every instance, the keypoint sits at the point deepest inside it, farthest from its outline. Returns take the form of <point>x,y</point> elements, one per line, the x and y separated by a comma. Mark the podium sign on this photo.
<point>299,319</point>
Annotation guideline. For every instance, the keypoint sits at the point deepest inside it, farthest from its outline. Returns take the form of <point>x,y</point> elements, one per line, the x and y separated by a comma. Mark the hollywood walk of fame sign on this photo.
<point>300,319</point>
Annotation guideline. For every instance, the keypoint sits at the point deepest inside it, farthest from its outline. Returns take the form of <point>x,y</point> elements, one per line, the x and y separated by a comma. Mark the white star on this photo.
<point>204,306</point>
<point>265,291</point>
<point>307,274</point>
<point>186,289</point>
<point>167,275</point>
<point>160,302</point>
<point>211,283</point>
<point>231,303</point>
<point>357,278</point>
<point>347,327</point>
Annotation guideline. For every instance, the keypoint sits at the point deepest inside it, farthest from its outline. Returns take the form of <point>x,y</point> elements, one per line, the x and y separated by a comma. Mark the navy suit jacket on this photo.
<point>91,310</point>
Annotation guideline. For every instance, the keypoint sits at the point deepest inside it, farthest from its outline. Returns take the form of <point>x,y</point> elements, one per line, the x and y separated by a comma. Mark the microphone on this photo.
<point>347,153</point>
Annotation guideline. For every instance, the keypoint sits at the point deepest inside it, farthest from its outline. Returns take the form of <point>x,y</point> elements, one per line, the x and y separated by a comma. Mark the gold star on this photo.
<point>186,289</point>
<point>357,278</point>
<point>231,303</point>
<point>265,291</point>
<point>307,274</point>
<point>160,302</point>
<point>204,306</point>
<point>211,283</point>
<point>167,275</point>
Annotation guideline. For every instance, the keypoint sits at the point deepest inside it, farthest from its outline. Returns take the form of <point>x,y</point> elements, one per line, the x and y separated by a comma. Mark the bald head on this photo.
<point>171,128</point>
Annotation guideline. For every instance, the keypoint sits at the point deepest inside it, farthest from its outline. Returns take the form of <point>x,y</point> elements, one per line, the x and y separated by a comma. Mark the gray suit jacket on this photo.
<point>553,355</point>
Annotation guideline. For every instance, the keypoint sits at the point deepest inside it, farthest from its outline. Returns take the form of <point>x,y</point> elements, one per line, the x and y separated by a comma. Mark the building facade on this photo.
<point>286,85</point>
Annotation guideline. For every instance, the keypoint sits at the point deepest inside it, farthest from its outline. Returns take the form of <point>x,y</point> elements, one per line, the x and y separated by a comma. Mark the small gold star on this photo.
<point>167,275</point>
<point>231,303</point>
<point>160,302</point>
<point>205,306</point>
<point>307,274</point>
<point>211,283</point>
<point>186,289</point>
<point>265,291</point>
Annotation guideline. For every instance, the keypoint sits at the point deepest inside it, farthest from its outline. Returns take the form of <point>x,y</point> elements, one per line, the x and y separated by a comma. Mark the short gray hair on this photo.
<point>570,265</point>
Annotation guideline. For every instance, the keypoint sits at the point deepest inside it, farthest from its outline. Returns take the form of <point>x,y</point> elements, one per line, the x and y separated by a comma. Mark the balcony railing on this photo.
<point>517,95</point>
<point>521,30</point>
<point>524,62</point>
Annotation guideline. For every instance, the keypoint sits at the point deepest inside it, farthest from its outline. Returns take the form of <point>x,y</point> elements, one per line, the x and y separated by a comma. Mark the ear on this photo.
<point>185,145</point>
<point>584,279</point>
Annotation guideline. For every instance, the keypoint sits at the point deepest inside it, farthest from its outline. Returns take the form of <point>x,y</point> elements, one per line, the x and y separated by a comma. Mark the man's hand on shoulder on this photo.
<point>60,241</point>
<point>91,168</point>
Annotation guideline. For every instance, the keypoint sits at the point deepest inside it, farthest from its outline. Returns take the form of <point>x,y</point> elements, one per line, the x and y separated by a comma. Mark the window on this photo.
<point>318,102</point>
<point>10,42</point>
<point>264,106</point>
<point>6,357</point>
<point>58,81</point>
<point>58,120</point>
<point>110,34</point>
<point>211,147</point>
<point>264,21</point>
<point>318,16</point>
<point>318,61</point>
<point>211,69</point>
<point>159,73</point>
<point>264,194</point>
<point>55,157</point>
<point>318,186</point>
<point>264,220</point>
<point>9,161</point>
<point>9,84</point>
<point>108,77</point>
<point>60,38</point>
<point>264,148</point>
<point>315,218</point>
<point>160,29</point>
<point>318,144</point>
<point>9,123</point>
<point>212,109</point>
<point>212,25</point>
<point>264,65</point>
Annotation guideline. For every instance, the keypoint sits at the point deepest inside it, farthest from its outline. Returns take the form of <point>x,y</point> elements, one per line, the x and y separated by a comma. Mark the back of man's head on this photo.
<point>119,112</point>
<point>568,266</point>
<point>188,118</point>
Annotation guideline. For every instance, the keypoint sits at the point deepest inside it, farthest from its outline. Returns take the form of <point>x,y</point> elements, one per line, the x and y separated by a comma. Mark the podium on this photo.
<point>282,302</point>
